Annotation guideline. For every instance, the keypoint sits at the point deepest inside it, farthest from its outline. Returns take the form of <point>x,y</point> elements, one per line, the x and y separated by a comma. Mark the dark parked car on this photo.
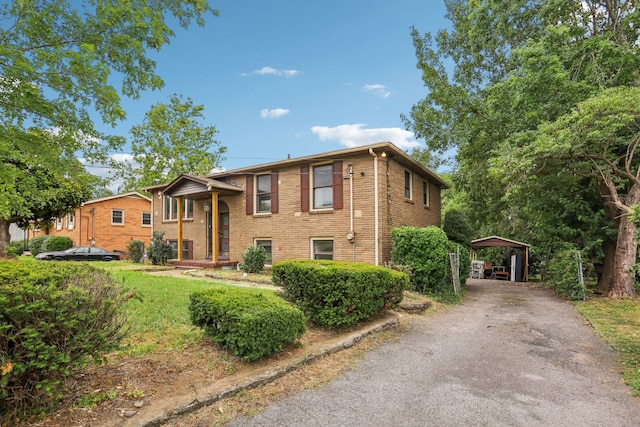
<point>82,253</point>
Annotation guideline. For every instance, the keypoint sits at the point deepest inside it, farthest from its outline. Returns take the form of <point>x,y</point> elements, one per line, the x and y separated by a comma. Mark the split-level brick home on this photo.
<point>107,222</point>
<point>338,205</point>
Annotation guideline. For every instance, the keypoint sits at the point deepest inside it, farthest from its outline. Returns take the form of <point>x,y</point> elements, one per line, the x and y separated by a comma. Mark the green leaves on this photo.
<point>172,140</point>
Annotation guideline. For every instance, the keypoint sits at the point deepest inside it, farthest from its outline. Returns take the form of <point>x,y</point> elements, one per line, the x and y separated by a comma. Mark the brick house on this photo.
<point>338,205</point>
<point>108,222</point>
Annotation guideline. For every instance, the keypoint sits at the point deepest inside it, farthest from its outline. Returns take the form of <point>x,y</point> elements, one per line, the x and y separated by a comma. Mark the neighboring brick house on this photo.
<point>108,222</point>
<point>338,205</point>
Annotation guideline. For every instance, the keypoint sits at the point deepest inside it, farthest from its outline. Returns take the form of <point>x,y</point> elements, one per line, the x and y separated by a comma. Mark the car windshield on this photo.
<point>69,250</point>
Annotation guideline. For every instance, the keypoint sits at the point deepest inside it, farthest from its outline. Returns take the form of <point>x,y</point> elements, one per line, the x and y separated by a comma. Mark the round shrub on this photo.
<point>36,243</point>
<point>253,259</point>
<point>53,319</point>
<point>56,243</point>
<point>135,250</point>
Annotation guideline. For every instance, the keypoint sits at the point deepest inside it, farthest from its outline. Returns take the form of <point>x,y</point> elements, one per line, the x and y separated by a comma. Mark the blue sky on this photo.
<point>286,77</point>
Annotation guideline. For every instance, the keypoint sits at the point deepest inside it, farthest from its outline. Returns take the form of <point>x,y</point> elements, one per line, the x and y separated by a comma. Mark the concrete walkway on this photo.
<point>509,356</point>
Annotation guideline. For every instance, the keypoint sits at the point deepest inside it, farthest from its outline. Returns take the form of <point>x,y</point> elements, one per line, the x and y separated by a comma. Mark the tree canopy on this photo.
<point>520,70</point>
<point>171,141</point>
<point>62,64</point>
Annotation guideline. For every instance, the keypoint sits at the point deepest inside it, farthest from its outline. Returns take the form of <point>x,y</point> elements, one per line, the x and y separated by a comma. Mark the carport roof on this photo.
<point>497,241</point>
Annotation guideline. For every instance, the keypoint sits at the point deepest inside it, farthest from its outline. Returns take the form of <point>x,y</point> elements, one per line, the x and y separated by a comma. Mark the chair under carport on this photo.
<point>519,263</point>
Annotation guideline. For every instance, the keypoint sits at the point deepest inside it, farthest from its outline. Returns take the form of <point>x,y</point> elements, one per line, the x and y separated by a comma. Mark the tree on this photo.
<point>60,65</point>
<point>169,142</point>
<point>517,66</point>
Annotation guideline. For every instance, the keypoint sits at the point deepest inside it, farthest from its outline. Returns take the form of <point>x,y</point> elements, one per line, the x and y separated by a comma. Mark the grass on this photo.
<point>618,322</point>
<point>158,316</point>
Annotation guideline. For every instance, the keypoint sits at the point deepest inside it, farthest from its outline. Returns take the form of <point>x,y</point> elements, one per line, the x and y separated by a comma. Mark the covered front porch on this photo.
<point>207,246</point>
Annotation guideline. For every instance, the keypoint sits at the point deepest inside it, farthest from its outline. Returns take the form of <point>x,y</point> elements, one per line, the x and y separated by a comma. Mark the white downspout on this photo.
<point>376,226</point>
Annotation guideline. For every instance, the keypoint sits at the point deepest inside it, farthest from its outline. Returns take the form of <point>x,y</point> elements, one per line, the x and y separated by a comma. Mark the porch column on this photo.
<point>180,214</point>
<point>215,228</point>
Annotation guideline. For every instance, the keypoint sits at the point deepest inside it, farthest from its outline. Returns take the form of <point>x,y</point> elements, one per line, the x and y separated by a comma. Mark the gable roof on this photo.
<point>198,186</point>
<point>133,194</point>
<point>497,241</point>
<point>379,148</point>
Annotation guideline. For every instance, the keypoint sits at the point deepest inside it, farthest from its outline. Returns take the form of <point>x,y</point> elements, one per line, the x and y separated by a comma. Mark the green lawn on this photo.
<point>158,316</point>
<point>618,322</point>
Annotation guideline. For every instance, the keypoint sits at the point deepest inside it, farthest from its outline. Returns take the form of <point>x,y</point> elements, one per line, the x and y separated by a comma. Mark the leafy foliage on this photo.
<point>36,244</point>
<point>135,250</point>
<point>564,273</point>
<point>159,251</point>
<point>53,319</point>
<point>333,293</point>
<point>56,243</point>
<point>62,63</point>
<point>251,324</point>
<point>457,227</point>
<point>520,69</point>
<point>426,251</point>
<point>170,142</point>
<point>253,259</point>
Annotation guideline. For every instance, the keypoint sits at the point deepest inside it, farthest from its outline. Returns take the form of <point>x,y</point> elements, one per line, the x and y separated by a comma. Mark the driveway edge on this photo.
<point>164,409</point>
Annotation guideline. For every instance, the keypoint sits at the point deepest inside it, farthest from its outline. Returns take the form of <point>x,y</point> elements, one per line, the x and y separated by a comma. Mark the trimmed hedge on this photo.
<point>249,323</point>
<point>56,243</point>
<point>334,293</point>
<point>53,319</point>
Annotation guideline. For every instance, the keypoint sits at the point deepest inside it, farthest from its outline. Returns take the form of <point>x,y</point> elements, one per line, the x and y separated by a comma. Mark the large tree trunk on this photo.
<point>605,272</point>
<point>622,284</point>
<point>5,237</point>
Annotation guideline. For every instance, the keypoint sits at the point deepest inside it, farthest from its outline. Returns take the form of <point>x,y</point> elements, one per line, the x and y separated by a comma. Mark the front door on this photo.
<point>223,232</point>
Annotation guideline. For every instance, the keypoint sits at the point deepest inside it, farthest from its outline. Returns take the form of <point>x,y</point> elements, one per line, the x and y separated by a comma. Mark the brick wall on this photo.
<point>291,230</point>
<point>93,223</point>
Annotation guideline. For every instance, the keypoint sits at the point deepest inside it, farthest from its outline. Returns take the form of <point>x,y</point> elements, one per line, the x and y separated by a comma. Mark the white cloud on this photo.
<point>377,89</point>
<point>266,71</point>
<point>273,114</point>
<point>354,135</point>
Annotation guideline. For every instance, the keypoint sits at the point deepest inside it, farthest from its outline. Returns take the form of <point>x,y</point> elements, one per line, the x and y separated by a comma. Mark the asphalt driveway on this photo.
<point>509,356</point>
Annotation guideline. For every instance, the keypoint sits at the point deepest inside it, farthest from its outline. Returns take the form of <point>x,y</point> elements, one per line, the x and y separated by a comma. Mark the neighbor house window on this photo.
<point>71,222</point>
<point>117,217</point>
<point>171,208</point>
<point>263,193</point>
<point>266,244</point>
<point>146,219</point>
<point>322,183</point>
<point>322,249</point>
<point>58,224</point>
<point>425,193</point>
<point>407,185</point>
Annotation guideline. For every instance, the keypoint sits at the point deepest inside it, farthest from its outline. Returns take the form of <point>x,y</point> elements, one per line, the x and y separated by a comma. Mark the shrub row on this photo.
<point>249,323</point>
<point>333,293</point>
<point>48,243</point>
<point>53,319</point>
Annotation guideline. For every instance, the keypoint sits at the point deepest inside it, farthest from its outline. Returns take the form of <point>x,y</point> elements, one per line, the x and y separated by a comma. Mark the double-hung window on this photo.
<point>117,217</point>
<point>263,193</point>
<point>322,249</point>
<point>171,208</point>
<point>408,190</point>
<point>146,219</point>
<point>425,194</point>
<point>322,181</point>
<point>71,221</point>
<point>266,244</point>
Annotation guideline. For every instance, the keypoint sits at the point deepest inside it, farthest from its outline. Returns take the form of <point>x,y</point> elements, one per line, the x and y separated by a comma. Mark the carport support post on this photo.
<point>180,214</point>
<point>214,228</point>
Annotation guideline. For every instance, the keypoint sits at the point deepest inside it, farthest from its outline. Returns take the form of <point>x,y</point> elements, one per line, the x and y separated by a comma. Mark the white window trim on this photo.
<point>117,210</point>
<point>71,221</point>
<point>255,197</point>
<point>404,176</point>
<point>315,239</point>
<point>185,211</point>
<point>312,200</point>
<point>58,224</point>
<point>142,219</point>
